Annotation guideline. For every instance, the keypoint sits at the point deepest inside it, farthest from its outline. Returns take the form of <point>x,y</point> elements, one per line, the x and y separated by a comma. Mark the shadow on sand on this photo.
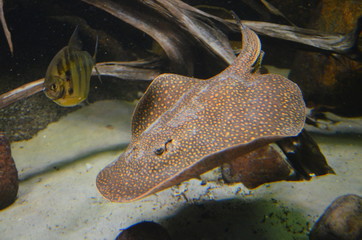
<point>237,219</point>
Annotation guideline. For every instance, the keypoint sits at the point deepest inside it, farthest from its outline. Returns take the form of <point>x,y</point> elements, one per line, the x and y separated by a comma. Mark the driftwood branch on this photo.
<point>124,70</point>
<point>165,33</point>
<point>5,27</point>
<point>172,23</point>
<point>201,25</point>
<point>114,69</point>
<point>21,92</point>
<point>338,43</point>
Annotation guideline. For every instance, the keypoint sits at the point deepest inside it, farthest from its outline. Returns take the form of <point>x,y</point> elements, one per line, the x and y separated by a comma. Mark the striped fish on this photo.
<point>68,75</point>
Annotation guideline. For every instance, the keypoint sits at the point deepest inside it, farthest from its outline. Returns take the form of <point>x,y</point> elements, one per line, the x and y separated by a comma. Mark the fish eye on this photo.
<point>161,150</point>
<point>53,87</point>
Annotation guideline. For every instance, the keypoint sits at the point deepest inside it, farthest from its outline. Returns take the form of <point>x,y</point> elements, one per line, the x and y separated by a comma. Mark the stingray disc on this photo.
<point>185,126</point>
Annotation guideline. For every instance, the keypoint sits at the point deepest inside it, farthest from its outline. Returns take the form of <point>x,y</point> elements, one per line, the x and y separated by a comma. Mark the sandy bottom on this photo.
<point>58,198</point>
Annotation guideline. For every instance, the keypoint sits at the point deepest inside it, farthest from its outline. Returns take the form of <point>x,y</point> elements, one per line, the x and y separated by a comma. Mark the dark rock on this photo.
<point>304,156</point>
<point>9,183</point>
<point>341,221</point>
<point>331,83</point>
<point>261,166</point>
<point>144,231</point>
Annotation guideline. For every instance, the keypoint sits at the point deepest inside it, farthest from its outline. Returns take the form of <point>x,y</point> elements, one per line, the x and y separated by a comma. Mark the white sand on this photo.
<point>58,198</point>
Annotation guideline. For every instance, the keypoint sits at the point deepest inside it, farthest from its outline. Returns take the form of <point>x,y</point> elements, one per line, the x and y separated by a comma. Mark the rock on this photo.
<point>341,221</point>
<point>144,231</point>
<point>263,165</point>
<point>325,79</point>
<point>9,183</point>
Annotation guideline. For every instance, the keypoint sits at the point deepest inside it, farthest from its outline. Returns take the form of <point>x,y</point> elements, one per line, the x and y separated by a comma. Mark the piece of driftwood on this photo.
<point>166,33</point>
<point>127,71</point>
<point>343,44</point>
<point>346,44</point>
<point>201,25</point>
<point>133,70</point>
<point>175,21</point>
<point>5,27</point>
<point>173,24</point>
<point>21,92</point>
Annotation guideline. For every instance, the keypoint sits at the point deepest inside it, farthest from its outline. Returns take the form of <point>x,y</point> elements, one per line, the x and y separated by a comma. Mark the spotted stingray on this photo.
<point>183,126</point>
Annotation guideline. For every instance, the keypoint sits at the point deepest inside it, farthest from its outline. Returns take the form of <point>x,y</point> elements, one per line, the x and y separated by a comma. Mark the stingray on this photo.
<point>183,126</point>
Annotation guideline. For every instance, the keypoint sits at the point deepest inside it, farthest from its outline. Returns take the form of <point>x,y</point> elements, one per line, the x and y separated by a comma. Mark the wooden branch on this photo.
<point>5,27</point>
<point>133,70</point>
<point>21,92</point>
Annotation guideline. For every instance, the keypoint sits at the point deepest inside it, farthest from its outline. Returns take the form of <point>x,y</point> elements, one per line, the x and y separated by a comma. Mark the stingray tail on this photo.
<point>304,155</point>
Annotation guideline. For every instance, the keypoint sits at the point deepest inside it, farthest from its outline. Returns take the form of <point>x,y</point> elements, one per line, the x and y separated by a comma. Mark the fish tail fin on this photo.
<point>304,155</point>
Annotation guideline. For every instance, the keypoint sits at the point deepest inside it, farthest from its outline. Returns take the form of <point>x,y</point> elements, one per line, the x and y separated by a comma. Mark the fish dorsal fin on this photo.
<point>95,50</point>
<point>163,93</point>
<point>74,41</point>
<point>94,60</point>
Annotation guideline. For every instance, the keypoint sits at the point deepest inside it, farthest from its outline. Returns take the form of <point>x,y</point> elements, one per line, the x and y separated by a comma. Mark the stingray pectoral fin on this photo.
<point>125,181</point>
<point>164,91</point>
<point>112,184</point>
<point>128,179</point>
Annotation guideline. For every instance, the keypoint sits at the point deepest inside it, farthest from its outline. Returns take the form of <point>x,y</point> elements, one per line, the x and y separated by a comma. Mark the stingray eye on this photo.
<point>159,151</point>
